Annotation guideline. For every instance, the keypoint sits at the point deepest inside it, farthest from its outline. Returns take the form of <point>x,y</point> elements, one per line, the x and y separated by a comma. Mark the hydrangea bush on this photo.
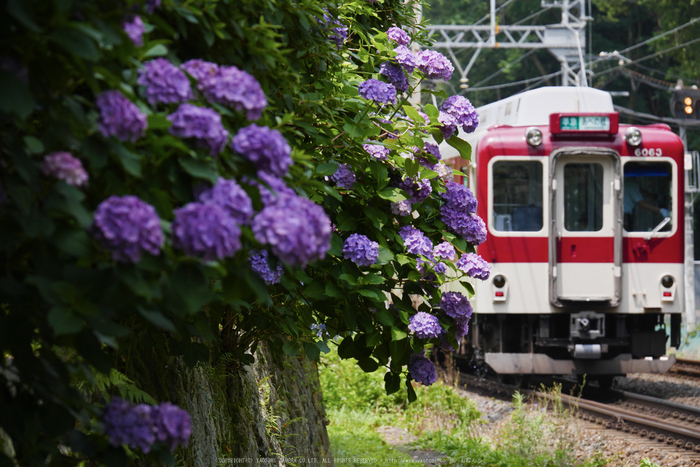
<point>167,176</point>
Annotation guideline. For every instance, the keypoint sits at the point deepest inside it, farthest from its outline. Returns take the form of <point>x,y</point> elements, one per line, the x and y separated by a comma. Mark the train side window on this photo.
<point>647,195</point>
<point>583,197</point>
<point>517,196</point>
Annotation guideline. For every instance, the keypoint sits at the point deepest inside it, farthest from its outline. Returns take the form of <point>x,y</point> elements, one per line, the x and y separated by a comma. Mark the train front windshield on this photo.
<point>647,195</point>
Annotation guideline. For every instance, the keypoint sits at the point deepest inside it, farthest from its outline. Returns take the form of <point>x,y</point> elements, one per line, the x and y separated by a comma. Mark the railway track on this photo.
<point>686,367</point>
<point>669,425</point>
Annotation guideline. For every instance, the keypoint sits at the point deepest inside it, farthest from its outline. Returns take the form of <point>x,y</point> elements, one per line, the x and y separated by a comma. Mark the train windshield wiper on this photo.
<point>656,230</point>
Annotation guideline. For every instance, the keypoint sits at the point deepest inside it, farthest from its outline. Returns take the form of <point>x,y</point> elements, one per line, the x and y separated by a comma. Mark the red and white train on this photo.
<point>585,237</point>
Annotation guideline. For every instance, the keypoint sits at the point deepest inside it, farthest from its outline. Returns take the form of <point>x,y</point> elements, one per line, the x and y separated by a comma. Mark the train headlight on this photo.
<point>668,288</point>
<point>633,136</point>
<point>533,136</point>
<point>499,281</point>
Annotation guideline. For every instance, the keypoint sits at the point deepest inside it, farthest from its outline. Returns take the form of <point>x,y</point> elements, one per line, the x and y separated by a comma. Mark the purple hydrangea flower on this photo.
<point>379,92</point>
<point>445,250</point>
<point>140,426</point>
<point>297,229</point>
<point>338,33</point>
<point>205,231</point>
<point>434,65</point>
<point>377,151</point>
<point>171,425</point>
<point>405,58</point>
<point>199,69</point>
<point>234,88</point>
<point>419,190</point>
<point>434,151</point>
<point>258,260</point>
<point>201,123</point>
<point>456,305</point>
<point>151,5</point>
<point>425,325</point>
<point>120,117</point>
<point>460,197</point>
<point>265,147</point>
<point>448,124</point>
<point>65,167</point>
<point>127,226</point>
<point>271,188</point>
<point>444,172</point>
<point>133,27</point>
<point>164,82</point>
<point>398,35</point>
<point>230,196</point>
<point>361,250</point>
<point>470,226</point>
<point>408,230</point>
<point>463,111</point>
<point>421,369</point>
<point>394,73</point>
<point>440,268</point>
<point>462,327</point>
<point>418,244</point>
<point>344,177</point>
<point>127,424</point>
<point>474,266</point>
<point>402,208</point>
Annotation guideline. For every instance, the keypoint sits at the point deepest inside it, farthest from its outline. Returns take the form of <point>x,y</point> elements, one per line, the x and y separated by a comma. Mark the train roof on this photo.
<point>533,108</point>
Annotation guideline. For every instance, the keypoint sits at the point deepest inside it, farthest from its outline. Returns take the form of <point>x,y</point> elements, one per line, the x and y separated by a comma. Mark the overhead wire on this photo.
<point>515,83</point>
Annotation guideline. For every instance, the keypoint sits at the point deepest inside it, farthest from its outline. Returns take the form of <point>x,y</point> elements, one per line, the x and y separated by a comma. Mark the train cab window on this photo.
<point>583,197</point>
<point>517,196</point>
<point>647,195</point>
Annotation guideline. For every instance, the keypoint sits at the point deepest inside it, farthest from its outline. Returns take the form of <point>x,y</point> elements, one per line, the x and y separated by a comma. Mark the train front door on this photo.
<point>585,255</point>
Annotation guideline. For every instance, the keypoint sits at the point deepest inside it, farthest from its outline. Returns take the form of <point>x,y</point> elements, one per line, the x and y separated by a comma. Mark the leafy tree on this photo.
<point>188,179</point>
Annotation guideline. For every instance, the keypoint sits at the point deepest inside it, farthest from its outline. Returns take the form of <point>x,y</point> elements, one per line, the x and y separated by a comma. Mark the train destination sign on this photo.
<point>606,123</point>
<point>585,123</point>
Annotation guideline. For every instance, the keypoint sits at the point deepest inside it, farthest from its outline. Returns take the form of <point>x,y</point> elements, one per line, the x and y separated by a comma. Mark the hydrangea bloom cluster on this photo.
<point>164,82</point>
<point>402,208</point>
<point>421,369</point>
<point>458,213</point>
<point>440,268</point>
<point>361,250</point>
<point>463,111</point>
<point>425,326</point>
<point>434,65</point>
<point>448,124</point>
<point>394,73</point>
<point>461,327</point>
<point>205,231</point>
<point>141,426</point>
<point>398,35</point>
<point>297,229</point>
<point>405,58</point>
<point>408,230</point>
<point>127,226</point>
<point>418,244</point>
<point>201,123</point>
<point>230,196</point>
<point>456,305</point>
<point>474,266</point>
<point>151,5</point>
<point>434,151</point>
<point>338,32</point>
<point>271,188</point>
<point>444,172</point>
<point>460,197</point>
<point>258,260</point>
<point>377,151</point>
<point>445,250</point>
<point>65,167</point>
<point>344,177</point>
<point>199,69</point>
<point>133,27</point>
<point>265,147</point>
<point>234,88</point>
<point>120,117</point>
<point>379,92</point>
<point>419,190</point>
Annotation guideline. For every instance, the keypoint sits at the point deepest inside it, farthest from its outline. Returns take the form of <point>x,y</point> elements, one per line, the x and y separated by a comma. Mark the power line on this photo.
<point>647,57</point>
<point>515,83</point>
<point>514,62</point>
